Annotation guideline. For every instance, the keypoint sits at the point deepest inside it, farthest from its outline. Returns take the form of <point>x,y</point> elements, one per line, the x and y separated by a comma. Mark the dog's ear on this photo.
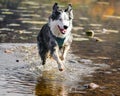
<point>55,7</point>
<point>55,13</point>
<point>70,11</point>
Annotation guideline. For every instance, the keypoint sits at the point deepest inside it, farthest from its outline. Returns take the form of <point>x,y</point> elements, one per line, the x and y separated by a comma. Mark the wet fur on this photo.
<point>46,43</point>
<point>46,39</point>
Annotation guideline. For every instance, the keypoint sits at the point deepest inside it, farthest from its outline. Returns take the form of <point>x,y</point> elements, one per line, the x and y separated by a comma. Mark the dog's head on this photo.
<point>61,20</point>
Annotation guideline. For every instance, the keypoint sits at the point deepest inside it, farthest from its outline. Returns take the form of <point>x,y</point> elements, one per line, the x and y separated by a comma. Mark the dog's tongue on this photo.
<point>62,30</point>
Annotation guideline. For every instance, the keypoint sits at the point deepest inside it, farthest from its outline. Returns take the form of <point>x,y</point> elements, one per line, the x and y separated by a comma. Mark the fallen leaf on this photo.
<point>8,51</point>
<point>93,86</point>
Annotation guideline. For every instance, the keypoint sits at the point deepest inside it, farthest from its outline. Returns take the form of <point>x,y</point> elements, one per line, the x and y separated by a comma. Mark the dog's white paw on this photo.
<point>61,67</point>
<point>62,58</point>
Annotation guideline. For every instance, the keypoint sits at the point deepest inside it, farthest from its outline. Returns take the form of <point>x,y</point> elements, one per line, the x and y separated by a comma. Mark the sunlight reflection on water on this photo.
<point>21,21</point>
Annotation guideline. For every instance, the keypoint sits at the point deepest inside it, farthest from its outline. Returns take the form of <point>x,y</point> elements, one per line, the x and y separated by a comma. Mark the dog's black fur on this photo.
<point>46,42</point>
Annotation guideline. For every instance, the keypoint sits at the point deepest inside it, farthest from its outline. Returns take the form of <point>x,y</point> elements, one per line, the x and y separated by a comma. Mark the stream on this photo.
<point>90,60</point>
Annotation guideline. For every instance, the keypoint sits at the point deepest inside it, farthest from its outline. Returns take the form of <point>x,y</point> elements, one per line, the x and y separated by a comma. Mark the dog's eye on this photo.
<point>70,18</point>
<point>60,19</point>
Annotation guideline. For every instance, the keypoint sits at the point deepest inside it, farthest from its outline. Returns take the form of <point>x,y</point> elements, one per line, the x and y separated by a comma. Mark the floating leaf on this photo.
<point>93,86</point>
<point>8,51</point>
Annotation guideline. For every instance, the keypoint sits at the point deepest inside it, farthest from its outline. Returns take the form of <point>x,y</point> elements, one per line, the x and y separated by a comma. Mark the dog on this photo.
<point>56,35</point>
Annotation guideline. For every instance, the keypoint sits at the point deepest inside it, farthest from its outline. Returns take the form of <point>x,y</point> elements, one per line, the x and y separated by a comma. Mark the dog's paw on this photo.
<point>60,69</point>
<point>62,58</point>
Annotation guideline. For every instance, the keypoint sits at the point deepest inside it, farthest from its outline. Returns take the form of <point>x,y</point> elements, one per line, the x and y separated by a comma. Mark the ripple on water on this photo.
<point>74,70</point>
<point>21,77</point>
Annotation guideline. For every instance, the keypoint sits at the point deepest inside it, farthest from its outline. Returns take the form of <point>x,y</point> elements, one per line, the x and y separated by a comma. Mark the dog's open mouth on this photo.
<point>61,30</point>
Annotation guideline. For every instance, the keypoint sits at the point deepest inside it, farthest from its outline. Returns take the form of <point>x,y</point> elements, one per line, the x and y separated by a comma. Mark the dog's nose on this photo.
<point>65,27</point>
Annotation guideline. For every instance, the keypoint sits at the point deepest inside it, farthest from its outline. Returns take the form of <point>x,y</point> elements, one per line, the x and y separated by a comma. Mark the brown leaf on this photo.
<point>8,51</point>
<point>93,86</point>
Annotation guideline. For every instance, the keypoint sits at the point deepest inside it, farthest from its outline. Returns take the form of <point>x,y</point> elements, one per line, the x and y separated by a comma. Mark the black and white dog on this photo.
<point>56,35</point>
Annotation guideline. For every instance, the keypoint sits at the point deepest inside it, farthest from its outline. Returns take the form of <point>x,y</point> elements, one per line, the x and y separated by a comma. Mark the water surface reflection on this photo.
<point>50,88</point>
<point>21,20</point>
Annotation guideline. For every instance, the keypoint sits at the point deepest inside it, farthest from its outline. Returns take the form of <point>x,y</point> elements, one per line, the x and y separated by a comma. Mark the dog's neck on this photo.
<point>55,31</point>
<point>60,41</point>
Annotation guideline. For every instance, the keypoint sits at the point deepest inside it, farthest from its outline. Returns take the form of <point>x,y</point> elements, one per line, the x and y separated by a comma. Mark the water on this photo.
<point>20,22</point>
<point>26,77</point>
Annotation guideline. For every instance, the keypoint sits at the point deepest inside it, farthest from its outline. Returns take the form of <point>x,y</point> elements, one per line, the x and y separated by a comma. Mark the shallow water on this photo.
<point>21,21</point>
<point>22,76</point>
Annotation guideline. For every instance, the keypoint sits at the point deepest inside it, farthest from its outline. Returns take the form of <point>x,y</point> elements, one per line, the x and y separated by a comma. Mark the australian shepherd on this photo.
<point>56,35</point>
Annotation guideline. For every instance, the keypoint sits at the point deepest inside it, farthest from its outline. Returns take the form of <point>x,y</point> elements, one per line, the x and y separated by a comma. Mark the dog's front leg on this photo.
<point>57,58</point>
<point>64,53</point>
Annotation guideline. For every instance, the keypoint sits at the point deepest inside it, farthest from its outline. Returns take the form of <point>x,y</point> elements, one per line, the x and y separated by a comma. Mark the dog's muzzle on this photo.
<point>62,30</point>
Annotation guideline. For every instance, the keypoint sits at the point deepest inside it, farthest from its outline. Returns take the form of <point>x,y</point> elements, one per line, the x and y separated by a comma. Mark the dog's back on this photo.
<point>46,42</point>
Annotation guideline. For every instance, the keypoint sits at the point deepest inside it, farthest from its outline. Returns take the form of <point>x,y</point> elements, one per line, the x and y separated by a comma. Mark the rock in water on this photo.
<point>90,33</point>
<point>93,86</point>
